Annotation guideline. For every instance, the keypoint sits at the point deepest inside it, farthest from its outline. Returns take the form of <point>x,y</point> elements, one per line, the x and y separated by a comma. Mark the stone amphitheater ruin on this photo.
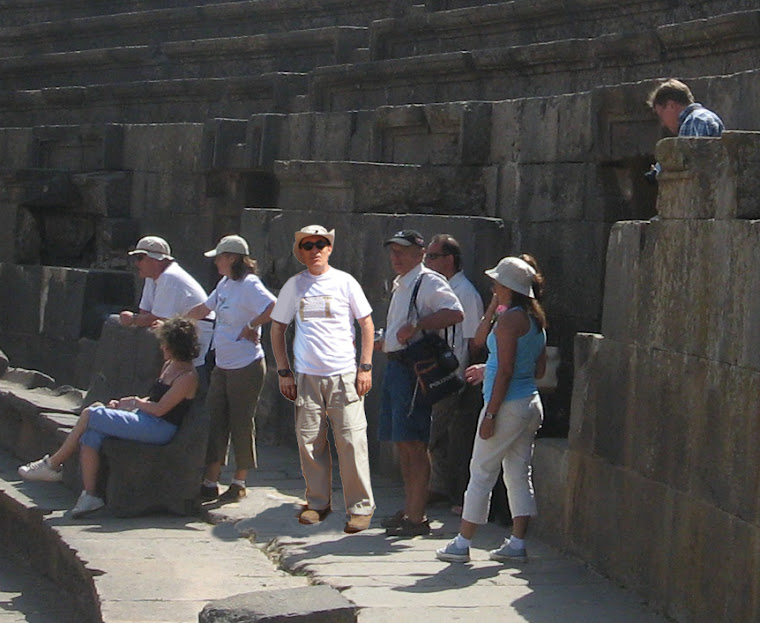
<point>517,126</point>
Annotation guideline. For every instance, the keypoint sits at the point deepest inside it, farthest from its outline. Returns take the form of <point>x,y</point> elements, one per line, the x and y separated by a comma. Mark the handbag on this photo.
<point>432,361</point>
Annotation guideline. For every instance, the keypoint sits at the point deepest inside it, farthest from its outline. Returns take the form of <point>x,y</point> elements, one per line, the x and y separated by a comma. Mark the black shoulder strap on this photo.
<point>413,307</point>
<point>413,299</point>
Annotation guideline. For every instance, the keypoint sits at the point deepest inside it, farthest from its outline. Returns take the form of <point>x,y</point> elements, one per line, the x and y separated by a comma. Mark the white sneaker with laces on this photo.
<point>452,553</point>
<point>508,553</point>
<point>86,504</point>
<point>40,470</point>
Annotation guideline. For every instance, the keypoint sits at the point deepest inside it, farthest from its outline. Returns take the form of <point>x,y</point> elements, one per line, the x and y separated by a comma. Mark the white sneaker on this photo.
<point>507,553</point>
<point>86,504</point>
<point>40,470</point>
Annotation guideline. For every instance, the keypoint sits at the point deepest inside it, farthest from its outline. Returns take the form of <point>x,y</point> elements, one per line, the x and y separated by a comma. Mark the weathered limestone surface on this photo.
<point>312,604</point>
<point>487,24</point>
<point>51,309</point>
<point>662,445</point>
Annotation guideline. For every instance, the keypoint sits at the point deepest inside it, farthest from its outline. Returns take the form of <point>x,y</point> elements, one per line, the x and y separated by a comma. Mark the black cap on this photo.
<point>406,238</point>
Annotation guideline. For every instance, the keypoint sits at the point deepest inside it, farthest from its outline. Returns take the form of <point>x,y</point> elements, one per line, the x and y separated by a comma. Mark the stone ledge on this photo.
<point>313,604</point>
<point>25,533</point>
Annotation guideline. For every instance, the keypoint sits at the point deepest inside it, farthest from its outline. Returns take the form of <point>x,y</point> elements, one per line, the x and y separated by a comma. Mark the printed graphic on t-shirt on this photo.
<point>312,307</point>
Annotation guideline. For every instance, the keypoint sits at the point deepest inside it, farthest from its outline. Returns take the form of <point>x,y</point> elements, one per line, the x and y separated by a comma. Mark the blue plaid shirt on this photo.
<point>696,120</point>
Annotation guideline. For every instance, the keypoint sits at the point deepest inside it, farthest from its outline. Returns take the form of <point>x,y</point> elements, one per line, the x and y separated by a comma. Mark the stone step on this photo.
<point>381,188</point>
<point>295,51</point>
<point>19,12</point>
<point>178,22</point>
<point>154,101</point>
<point>563,66</point>
<point>457,133</point>
<point>522,22</point>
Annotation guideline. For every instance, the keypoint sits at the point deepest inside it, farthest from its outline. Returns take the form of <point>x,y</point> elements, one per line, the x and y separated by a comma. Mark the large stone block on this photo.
<point>624,125</point>
<point>80,147</point>
<point>144,478</point>
<point>373,187</point>
<point>696,180</point>
<point>547,192</point>
<point>659,419</point>
<point>453,133</point>
<point>128,360</point>
<point>571,257</point>
<point>572,115</point>
<point>312,604</point>
<point>550,474</point>
<point>621,303</point>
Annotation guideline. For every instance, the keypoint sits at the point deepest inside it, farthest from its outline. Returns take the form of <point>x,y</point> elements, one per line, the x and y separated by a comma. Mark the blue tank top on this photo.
<point>529,348</point>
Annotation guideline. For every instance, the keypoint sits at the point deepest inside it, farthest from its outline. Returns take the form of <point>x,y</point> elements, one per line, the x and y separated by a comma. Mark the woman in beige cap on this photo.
<point>513,411</point>
<point>242,305</point>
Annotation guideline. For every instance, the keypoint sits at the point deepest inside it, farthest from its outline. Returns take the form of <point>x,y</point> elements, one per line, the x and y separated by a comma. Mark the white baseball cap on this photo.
<point>153,246</point>
<point>229,244</point>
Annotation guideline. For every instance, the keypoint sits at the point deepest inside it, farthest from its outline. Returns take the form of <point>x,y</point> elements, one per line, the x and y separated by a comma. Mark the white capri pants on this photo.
<point>510,448</point>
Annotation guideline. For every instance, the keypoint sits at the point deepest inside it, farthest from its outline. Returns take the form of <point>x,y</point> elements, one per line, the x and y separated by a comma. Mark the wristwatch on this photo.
<point>489,416</point>
<point>366,367</point>
<point>285,372</point>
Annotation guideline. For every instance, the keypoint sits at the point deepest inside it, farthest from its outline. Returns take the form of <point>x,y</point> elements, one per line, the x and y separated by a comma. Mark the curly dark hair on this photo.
<point>180,337</point>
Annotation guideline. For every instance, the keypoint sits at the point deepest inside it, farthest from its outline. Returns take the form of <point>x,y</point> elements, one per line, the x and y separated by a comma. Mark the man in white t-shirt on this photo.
<point>455,418</point>
<point>327,384</point>
<point>168,291</point>
<point>404,419</point>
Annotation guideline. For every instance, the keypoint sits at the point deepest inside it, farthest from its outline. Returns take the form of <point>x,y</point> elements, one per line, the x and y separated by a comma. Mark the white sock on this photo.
<point>209,483</point>
<point>240,483</point>
<point>516,543</point>
<point>461,542</point>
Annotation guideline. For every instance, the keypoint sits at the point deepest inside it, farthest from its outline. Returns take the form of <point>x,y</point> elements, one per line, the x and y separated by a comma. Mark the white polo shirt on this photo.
<point>434,294</point>
<point>470,299</point>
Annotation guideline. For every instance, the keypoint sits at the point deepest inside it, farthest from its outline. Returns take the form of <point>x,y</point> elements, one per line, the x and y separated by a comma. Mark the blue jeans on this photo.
<point>398,420</point>
<point>134,425</point>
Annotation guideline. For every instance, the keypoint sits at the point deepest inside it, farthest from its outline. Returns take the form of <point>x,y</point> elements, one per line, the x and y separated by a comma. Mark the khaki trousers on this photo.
<point>231,402</point>
<point>333,398</point>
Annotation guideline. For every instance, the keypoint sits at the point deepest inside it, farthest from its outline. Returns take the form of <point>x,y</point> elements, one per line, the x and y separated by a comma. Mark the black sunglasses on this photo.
<point>435,256</point>
<point>320,244</point>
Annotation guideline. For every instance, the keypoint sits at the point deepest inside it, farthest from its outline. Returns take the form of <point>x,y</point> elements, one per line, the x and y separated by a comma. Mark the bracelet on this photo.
<point>489,416</point>
<point>250,326</point>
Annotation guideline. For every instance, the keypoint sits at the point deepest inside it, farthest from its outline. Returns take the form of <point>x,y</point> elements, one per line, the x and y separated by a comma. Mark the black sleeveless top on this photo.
<point>177,413</point>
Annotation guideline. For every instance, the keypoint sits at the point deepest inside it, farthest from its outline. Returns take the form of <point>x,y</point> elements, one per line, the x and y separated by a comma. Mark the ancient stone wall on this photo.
<point>663,455</point>
<point>123,119</point>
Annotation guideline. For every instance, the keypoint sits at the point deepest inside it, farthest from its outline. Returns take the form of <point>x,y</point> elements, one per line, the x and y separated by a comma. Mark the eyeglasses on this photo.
<point>139,257</point>
<point>320,244</point>
<point>435,256</point>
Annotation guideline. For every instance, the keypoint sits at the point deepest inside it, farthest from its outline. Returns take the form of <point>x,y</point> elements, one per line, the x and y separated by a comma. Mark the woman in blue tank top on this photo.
<point>514,330</point>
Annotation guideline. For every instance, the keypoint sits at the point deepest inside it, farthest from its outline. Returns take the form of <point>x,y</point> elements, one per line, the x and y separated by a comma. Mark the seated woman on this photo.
<point>153,419</point>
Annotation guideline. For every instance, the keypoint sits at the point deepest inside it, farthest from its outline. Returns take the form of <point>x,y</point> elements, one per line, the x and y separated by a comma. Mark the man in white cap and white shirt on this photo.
<point>327,383</point>
<point>169,290</point>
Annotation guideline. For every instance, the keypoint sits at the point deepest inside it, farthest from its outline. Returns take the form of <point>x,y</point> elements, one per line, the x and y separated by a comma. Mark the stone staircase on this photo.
<point>169,118</point>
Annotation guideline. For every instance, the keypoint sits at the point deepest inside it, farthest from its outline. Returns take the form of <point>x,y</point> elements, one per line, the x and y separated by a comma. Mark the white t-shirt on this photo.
<point>324,307</point>
<point>236,303</point>
<point>434,294</point>
<point>470,299</point>
<point>175,292</point>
